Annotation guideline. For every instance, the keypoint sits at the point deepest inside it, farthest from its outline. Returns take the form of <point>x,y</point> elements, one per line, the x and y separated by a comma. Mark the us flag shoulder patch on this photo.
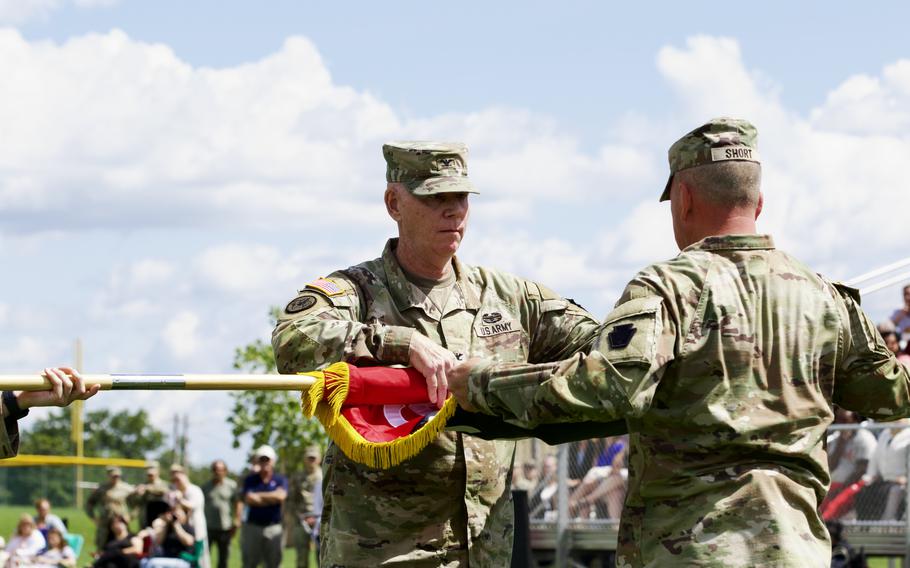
<point>327,286</point>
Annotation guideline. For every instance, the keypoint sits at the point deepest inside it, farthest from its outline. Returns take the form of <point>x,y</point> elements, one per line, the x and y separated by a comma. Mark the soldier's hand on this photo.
<point>458,383</point>
<point>67,385</point>
<point>434,363</point>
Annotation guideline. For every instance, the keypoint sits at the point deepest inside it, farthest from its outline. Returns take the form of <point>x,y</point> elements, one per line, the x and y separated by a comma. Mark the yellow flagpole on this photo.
<point>148,381</point>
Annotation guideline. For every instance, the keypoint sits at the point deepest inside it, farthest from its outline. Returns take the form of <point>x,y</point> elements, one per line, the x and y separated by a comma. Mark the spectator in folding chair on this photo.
<point>57,553</point>
<point>124,548</point>
<point>883,497</point>
<point>174,539</point>
<point>604,486</point>
<point>25,543</point>
<point>849,452</point>
<point>45,520</point>
<point>901,317</point>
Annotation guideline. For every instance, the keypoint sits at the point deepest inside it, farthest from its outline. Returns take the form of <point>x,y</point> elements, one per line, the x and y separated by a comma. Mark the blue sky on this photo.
<point>169,169</point>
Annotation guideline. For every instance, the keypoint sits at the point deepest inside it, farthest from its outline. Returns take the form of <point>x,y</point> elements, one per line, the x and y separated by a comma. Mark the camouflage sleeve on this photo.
<point>615,381</point>
<point>317,329</point>
<point>9,436</point>
<point>560,327</point>
<point>869,379</point>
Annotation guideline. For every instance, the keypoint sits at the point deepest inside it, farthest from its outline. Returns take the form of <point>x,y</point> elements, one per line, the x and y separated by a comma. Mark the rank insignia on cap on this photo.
<point>621,336</point>
<point>326,286</point>
<point>300,303</point>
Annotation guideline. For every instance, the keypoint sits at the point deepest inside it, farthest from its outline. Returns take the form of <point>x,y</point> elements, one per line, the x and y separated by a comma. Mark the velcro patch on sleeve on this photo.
<point>327,286</point>
<point>630,332</point>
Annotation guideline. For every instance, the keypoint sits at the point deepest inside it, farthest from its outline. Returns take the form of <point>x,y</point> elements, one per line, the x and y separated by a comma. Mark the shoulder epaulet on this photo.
<point>848,291</point>
<point>540,292</point>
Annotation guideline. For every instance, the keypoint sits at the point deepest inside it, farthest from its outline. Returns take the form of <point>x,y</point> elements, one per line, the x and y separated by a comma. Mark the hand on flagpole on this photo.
<point>67,385</point>
<point>458,383</point>
<point>434,363</point>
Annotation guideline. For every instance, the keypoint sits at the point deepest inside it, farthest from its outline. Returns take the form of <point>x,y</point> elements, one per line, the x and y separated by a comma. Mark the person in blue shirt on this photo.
<point>264,493</point>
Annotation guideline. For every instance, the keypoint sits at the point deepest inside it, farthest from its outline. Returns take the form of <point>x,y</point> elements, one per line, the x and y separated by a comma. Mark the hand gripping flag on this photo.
<point>377,416</point>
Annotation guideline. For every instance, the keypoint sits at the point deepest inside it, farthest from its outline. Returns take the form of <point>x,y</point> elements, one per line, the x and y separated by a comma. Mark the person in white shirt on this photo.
<point>849,452</point>
<point>25,544</point>
<point>886,476</point>
<point>192,498</point>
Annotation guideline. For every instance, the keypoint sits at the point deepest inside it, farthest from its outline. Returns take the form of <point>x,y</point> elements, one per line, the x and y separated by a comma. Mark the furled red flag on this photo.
<point>378,416</point>
<point>382,416</point>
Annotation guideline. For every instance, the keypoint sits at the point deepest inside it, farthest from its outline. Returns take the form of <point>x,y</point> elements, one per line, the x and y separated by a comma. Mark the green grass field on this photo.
<point>79,523</point>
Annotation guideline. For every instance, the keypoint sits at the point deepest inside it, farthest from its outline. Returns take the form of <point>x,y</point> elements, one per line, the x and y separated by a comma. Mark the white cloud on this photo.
<point>20,11</point>
<point>833,180</point>
<point>139,139</point>
<point>181,335</point>
<point>24,353</point>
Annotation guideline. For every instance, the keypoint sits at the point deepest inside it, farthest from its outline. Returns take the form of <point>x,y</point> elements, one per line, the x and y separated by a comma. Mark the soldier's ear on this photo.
<point>392,203</point>
<point>685,200</point>
<point>761,204</point>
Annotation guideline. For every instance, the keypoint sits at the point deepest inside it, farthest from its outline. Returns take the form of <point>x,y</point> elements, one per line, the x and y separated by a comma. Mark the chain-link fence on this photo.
<point>575,491</point>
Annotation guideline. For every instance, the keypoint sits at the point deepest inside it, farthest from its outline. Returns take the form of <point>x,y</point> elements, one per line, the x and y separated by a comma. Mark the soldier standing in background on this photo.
<point>725,362</point>
<point>221,498</point>
<point>418,305</point>
<point>150,498</point>
<point>106,502</point>
<point>304,485</point>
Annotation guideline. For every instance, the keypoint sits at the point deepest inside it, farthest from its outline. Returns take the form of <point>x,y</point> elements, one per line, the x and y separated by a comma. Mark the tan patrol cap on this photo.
<point>428,168</point>
<point>718,140</point>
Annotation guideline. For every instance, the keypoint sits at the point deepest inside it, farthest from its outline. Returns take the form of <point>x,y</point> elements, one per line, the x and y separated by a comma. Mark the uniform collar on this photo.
<point>407,295</point>
<point>733,242</point>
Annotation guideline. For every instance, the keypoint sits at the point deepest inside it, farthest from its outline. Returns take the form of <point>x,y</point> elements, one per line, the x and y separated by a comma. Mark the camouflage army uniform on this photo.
<point>9,437</point>
<point>154,493</point>
<point>111,498</point>
<point>450,505</point>
<point>725,362</point>
<point>303,485</point>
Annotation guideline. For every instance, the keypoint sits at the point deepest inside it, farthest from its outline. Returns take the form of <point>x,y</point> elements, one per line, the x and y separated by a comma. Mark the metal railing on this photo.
<point>573,491</point>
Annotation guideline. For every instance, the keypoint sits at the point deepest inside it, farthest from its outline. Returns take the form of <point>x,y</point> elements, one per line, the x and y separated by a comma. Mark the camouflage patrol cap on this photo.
<point>718,140</point>
<point>428,168</point>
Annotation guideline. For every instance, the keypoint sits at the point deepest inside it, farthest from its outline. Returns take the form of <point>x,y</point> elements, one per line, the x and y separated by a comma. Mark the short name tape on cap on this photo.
<point>734,153</point>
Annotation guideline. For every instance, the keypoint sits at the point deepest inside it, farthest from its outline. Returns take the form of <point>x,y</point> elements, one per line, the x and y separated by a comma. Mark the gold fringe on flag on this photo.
<point>381,455</point>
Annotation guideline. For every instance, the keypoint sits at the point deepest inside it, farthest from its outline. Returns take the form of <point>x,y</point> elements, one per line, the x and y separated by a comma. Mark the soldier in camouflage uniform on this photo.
<point>725,362</point>
<point>151,493</point>
<point>66,384</point>
<point>418,305</point>
<point>110,497</point>
<point>302,502</point>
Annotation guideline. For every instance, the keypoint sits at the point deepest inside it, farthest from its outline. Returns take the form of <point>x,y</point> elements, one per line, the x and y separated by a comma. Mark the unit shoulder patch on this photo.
<point>300,303</point>
<point>621,335</point>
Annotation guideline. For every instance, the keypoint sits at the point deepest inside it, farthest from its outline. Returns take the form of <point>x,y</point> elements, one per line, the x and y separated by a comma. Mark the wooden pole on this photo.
<point>219,382</point>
